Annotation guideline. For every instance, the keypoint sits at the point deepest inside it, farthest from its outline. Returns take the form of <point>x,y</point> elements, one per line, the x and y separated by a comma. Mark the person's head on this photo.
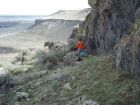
<point>79,39</point>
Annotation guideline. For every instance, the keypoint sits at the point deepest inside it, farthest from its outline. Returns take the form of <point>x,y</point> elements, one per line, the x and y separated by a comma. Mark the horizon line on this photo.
<point>22,14</point>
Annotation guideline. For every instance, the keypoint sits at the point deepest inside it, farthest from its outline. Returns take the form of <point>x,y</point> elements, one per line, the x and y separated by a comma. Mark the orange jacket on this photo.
<point>80,45</point>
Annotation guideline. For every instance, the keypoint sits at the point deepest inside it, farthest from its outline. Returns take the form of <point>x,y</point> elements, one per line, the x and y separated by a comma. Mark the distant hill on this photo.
<point>6,18</point>
<point>16,23</point>
<point>46,29</point>
<point>56,30</point>
<point>69,14</point>
<point>14,27</point>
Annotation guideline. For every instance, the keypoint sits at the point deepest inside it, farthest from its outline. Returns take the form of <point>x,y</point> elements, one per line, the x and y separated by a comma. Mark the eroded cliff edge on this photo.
<point>113,27</point>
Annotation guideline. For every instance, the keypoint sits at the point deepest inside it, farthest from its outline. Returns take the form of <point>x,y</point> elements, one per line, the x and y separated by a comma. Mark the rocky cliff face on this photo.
<point>113,27</point>
<point>127,49</point>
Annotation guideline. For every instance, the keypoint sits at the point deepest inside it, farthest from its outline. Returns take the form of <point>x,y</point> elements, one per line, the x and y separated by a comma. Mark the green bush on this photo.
<point>47,59</point>
<point>13,68</point>
<point>23,57</point>
<point>23,77</point>
<point>72,44</point>
<point>7,81</point>
<point>54,84</point>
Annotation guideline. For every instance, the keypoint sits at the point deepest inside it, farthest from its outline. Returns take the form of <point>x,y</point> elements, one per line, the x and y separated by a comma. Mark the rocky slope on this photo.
<point>113,27</point>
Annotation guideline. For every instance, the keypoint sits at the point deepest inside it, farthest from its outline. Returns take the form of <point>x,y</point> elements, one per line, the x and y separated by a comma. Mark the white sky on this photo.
<point>39,7</point>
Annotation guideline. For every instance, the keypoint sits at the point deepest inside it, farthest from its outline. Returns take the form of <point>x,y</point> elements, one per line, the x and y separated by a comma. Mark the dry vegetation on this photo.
<point>94,78</point>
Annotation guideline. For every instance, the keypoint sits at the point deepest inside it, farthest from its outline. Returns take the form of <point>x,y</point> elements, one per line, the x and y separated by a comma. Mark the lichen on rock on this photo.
<point>113,27</point>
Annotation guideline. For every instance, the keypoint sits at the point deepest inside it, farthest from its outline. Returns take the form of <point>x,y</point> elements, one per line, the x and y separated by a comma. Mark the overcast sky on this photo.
<point>39,7</point>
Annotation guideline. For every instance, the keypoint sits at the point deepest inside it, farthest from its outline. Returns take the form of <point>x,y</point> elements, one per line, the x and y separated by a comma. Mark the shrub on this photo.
<point>23,57</point>
<point>47,59</point>
<point>59,52</point>
<point>13,69</point>
<point>54,84</point>
<point>22,77</point>
<point>6,81</point>
<point>69,59</point>
<point>26,76</point>
<point>42,59</point>
<point>5,78</point>
<point>72,44</point>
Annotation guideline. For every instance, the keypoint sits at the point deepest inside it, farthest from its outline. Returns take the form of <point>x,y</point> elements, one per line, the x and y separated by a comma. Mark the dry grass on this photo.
<point>6,58</point>
<point>95,77</point>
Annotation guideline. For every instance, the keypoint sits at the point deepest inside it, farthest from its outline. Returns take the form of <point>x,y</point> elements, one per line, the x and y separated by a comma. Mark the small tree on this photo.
<point>23,57</point>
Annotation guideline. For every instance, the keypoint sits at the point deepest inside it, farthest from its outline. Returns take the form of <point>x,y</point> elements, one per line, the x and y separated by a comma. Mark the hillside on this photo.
<point>46,30</point>
<point>41,31</point>
<point>70,14</point>
<point>12,24</point>
<point>57,76</point>
<point>98,83</point>
<point>13,27</point>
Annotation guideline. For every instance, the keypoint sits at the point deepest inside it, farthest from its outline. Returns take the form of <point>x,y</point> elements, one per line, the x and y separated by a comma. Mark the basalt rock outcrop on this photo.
<point>127,49</point>
<point>52,44</point>
<point>113,27</point>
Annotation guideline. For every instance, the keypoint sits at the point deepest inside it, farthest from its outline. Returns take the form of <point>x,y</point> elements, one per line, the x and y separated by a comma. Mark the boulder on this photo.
<point>67,86</point>
<point>59,76</point>
<point>90,103</point>
<point>52,44</point>
<point>21,95</point>
<point>49,44</point>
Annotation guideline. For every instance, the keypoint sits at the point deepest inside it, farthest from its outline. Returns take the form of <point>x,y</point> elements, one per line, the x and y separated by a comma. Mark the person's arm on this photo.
<point>76,45</point>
